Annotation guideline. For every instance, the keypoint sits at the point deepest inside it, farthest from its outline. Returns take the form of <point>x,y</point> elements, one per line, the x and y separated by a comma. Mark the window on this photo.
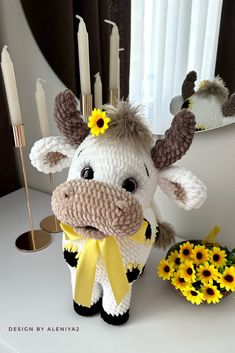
<point>168,39</point>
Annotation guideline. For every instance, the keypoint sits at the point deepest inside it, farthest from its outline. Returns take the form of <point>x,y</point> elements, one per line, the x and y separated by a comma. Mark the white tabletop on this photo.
<point>35,292</point>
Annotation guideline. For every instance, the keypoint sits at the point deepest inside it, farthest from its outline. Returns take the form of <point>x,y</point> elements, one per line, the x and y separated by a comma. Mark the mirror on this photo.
<point>211,101</point>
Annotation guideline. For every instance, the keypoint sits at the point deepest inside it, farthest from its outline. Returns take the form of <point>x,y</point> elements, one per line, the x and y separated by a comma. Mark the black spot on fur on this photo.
<point>157,233</point>
<point>148,232</point>
<point>185,105</point>
<point>132,274</point>
<point>84,311</point>
<point>70,258</point>
<point>114,320</point>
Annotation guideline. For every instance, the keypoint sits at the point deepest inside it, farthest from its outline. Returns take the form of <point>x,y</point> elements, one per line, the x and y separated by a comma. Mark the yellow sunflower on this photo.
<point>200,254</point>
<point>174,258</point>
<point>186,250</point>
<point>187,271</point>
<point>227,278</point>
<point>211,294</point>
<point>98,122</point>
<point>179,282</point>
<point>207,273</point>
<point>218,257</point>
<point>193,295</point>
<point>165,270</point>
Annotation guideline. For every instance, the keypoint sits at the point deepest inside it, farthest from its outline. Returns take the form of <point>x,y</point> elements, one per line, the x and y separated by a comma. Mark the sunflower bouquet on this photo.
<point>203,271</point>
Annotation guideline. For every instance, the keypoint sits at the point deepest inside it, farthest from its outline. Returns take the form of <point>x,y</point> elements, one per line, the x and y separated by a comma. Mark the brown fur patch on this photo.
<point>53,158</point>
<point>128,124</point>
<point>180,192</point>
<point>216,88</point>
<point>165,236</point>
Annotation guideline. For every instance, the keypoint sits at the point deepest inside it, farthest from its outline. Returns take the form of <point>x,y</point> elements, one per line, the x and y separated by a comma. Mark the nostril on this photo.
<point>122,205</point>
<point>66,193</point>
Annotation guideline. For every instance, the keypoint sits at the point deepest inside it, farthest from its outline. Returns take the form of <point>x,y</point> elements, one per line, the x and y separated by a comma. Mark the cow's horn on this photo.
<point>188,85</point>
<point>177,141</point>
<point>68,118</point>
<point>228,108</point>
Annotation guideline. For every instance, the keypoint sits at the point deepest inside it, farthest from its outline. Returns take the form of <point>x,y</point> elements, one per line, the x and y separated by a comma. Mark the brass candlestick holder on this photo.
<point>34,239</point>
<point>86,106</point>
<point>51,223</point>
<point>113,96</point>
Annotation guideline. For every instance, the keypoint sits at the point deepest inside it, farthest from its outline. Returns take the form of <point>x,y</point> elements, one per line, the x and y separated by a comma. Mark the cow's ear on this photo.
<point>176,104</point>
<point>52,154</point>
<point>182,187</point>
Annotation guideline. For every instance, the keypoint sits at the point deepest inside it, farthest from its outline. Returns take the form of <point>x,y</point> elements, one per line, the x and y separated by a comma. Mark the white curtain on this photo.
<point>168,39</point>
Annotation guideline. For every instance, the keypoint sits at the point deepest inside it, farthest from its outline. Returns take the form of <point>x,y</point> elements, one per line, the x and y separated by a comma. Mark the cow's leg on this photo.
<point>111,312</point>
<point>95,299</point>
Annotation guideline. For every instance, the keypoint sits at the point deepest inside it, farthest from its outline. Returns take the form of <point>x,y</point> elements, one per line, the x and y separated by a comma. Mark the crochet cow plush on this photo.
<point>106,206</point>
<point>210,103</point>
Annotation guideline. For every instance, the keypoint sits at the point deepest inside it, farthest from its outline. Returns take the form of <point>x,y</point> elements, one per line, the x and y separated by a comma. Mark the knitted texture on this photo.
<point>68,119</point>
<point>133,253</point>
<point>51,154</point>
<point>53,158</point>
<point>188,85</point>
<point>214,88</point>
<point>165,236</point>
<point>228,108</point>
<point>96,210</point>
<point>176,104</point>
<point>176,142</point>
<point>128,124</point>
<point>207,111</point>
<point>194,190</point>
<point>209,103</point>
<point>109,191</point>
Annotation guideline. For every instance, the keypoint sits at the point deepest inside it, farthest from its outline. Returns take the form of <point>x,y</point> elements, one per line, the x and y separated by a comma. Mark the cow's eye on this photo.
<point>87,173</point>
<point>129,185</point>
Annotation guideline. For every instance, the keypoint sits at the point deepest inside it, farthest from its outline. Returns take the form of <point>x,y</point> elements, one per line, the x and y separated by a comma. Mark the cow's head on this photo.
<point>113,177</point>
<point>210,102</point>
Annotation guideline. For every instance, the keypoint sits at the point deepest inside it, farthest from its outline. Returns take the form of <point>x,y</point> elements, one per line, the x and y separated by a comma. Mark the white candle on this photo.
<point>42,108</point>
<point>121,49</point>
<point>98,91</point>
<point>10,87</point>
<point>113,59</point>
<point>83,54</point>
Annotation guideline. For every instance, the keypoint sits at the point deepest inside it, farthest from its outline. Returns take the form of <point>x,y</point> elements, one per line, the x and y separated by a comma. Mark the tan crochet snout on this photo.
<point>95,209</point>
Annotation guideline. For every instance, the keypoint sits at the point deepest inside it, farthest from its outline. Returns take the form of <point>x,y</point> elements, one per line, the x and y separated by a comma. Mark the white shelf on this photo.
<point>35,291</point>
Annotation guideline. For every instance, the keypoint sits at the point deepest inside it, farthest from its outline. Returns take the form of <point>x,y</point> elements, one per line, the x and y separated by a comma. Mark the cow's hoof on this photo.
<point>85,311</point>
<point>114,320</point>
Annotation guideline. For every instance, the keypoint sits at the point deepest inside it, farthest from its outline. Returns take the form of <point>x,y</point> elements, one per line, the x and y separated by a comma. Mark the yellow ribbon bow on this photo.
<point>110,252</point>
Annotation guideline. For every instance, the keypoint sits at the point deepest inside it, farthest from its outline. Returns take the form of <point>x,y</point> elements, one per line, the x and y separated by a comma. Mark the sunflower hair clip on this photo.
<point>98,122</point>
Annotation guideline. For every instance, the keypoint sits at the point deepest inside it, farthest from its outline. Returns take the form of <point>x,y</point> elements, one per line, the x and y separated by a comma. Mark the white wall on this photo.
<point>211,157</point>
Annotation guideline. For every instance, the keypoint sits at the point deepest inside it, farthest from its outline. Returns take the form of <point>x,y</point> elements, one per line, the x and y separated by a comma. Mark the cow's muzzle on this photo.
<point>95,209</point>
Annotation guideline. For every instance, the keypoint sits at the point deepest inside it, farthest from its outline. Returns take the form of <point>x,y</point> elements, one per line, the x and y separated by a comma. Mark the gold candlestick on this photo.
<point>86,106</point>
<point>34,239</point>
<point>51,223</point>
<point>113,96</point>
